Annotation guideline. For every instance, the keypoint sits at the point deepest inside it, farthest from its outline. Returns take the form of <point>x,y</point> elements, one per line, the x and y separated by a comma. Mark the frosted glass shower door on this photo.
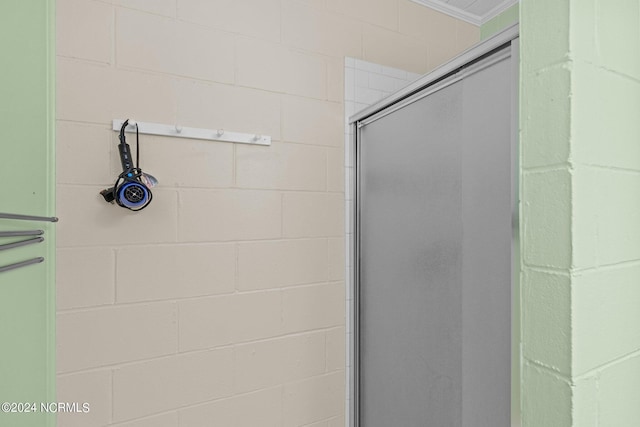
<point>435,233</point>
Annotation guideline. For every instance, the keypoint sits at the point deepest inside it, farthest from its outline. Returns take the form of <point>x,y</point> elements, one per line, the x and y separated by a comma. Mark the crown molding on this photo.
<point>506,4</point>
<point>471,18</point>
<point>443,7</point>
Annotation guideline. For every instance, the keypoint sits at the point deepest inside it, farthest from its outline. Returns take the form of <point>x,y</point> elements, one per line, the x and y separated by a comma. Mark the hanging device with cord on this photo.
<point>132,189</point>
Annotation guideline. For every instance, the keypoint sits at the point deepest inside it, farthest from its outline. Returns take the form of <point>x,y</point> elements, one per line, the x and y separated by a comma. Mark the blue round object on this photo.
<point>133,195</point>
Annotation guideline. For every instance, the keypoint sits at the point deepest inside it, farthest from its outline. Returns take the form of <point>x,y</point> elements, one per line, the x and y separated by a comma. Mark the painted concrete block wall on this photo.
<point>500,22</point>
<point>580,104</point>
<point>27,155</point>
<point>223,302</point>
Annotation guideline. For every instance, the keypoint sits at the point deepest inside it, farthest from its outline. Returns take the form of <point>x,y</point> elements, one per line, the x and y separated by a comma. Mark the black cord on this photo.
<point>137,148</point>
<point>124,125</point>
<point>135,173</point>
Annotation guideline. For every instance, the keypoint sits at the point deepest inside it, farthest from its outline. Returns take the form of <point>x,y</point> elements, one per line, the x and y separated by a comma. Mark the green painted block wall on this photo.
<point>494,26</point>
<point>27,296</point>
<point>500,22</point>
<point>580,157</point>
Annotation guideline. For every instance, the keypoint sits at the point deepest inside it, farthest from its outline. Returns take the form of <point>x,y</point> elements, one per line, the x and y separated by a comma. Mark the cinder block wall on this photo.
<point>505,19</point>
<point>581,236</point>
<point>222,303</point>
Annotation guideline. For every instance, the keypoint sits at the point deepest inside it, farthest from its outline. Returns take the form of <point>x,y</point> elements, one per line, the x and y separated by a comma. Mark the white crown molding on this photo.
<point>469,17</point>
<point>443,7</point>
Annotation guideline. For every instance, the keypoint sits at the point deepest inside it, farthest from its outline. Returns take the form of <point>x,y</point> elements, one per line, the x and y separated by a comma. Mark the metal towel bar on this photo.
<point>21,243</point>
<point>21,264</point>
<point>21,233</point>
<point>28,217</point>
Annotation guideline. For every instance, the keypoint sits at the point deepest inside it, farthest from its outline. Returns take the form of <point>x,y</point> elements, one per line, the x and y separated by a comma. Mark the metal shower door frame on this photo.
<point>443,76</point>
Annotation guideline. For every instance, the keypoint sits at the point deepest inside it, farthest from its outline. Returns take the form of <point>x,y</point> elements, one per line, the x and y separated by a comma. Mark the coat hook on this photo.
<point>180,130</point>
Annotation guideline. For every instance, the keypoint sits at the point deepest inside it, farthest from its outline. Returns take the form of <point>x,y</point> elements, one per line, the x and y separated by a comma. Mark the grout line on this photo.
<point>237,268</point>
<point>176,308</point>
<point>323,421</point>
<point>549,370</point>
<point>565,63</point>
<point>616,73</point>
<point>96,62</point>
<point>191,79</point>
<point>609,168</point>
<point>328,259</point>
<point>222,347</point>
<point>130,304</point>
<point>179,409</point>
<point>127,422</point>
<point>178,222</point>
<point>234,166</point>
<point>573,271</point>
<point>566,272</point>
<point>142,11</point>
<point>607,267</point>
<point>326,352</point>
<point>113,398</point>
<point>195,243</point>
<point>168,189</point>
<point>114,35</point>
<point>598,369</point>
<point>185,243</point>
<point>557,167</point>
<point>234,365</point>
<point>115,277</point>
<point>282,210</point>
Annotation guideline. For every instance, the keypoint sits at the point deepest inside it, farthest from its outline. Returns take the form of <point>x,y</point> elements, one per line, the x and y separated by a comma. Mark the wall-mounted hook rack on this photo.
<point>21,264</point>
<point>179,131</point>
<point>28,217</point>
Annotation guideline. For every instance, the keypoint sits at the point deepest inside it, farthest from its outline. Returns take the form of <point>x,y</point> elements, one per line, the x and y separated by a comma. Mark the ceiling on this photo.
<point>476,12</point>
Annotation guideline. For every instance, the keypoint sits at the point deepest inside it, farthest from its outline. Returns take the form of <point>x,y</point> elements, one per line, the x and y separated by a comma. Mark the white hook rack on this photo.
<point>179,131</point>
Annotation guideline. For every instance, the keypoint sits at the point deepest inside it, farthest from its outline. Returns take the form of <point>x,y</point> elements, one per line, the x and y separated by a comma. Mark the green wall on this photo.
<point>495,25</point>
<point>580,141</point>
<point>27,296</point>
<point>500,22</point>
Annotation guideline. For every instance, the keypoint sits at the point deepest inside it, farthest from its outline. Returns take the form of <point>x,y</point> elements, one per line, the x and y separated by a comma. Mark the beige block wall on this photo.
<point>222,304</point>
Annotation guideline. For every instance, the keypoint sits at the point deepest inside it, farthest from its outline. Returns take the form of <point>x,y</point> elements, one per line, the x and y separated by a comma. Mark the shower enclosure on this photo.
<point>435,252</point>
